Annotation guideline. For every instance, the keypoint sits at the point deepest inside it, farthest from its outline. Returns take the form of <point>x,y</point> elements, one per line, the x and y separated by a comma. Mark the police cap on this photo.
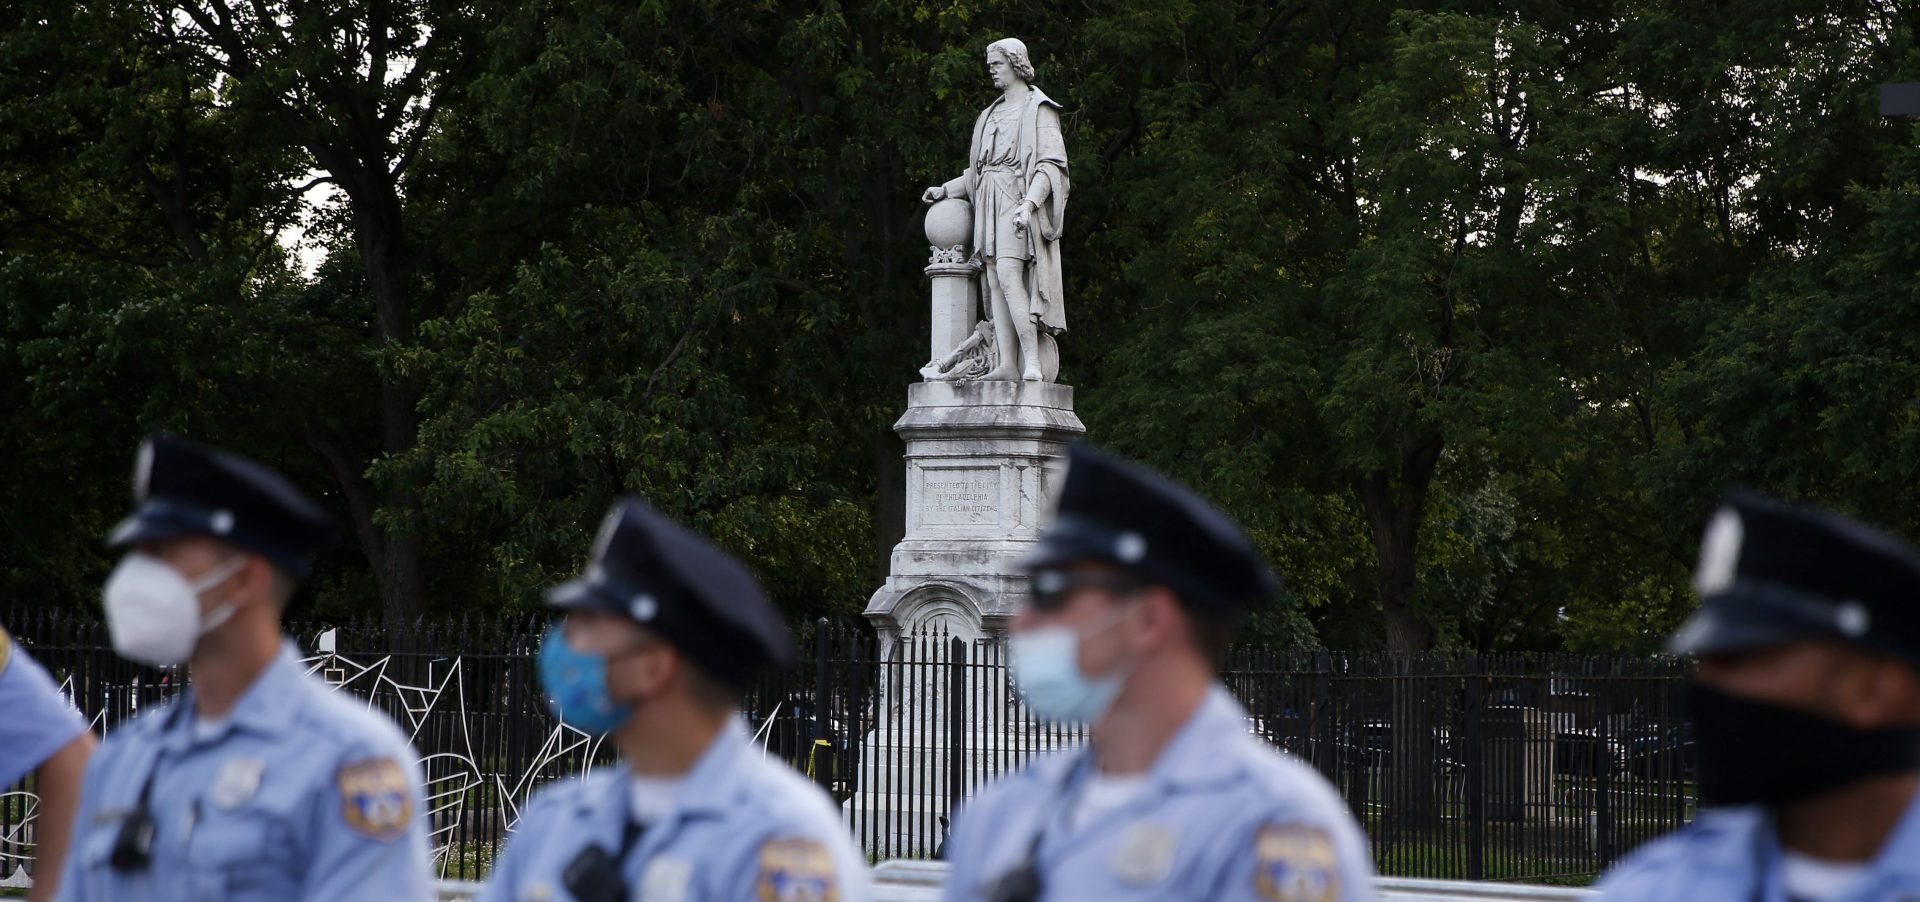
<point>1116,512</point>
<point>1770,574</point>
<point>694,595</point>
<point>181,488</point>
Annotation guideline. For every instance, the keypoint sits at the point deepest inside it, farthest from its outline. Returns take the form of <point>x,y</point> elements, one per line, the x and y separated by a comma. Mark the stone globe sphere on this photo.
<point>950,222</point>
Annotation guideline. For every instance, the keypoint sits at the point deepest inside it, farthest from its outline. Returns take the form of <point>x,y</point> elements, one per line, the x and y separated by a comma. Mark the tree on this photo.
<point>1391,229</point>
<point>351,85</point>
<point>213,109</point>
<point>1466,312</point>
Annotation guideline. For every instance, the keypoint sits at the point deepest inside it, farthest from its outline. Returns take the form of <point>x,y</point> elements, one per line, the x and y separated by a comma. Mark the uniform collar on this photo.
<point>605,807</point>
<point>269,705</point>
<point>1196,756</point>
<point>1901,854</point>
<point>266,706</point>
<point>710,784</point>
<point>1729,838</point>
<point>1732,835</point>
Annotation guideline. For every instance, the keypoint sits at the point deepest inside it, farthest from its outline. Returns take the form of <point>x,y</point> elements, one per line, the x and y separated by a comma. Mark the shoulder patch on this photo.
<point>1295,863</point>
<point>374,797</point>
<point>795,869</point>
<point>6,649</point>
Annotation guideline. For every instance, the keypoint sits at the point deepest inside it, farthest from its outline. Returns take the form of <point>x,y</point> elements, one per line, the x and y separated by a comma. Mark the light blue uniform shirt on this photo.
<point>1733,854</point>
<point>741,827</point>
<point>1223,815</point>
<point>35,721</point>
<point>302,794</point>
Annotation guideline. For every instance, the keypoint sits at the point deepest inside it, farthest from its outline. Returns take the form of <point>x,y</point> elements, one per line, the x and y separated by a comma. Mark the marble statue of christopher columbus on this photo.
<point>1016,182</point>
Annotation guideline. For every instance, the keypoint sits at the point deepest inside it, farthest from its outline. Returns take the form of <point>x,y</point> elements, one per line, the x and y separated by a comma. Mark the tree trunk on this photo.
<point>395,558</point>
<point>400,567</point>
<point>1395,503</point>
<point>402,577</point>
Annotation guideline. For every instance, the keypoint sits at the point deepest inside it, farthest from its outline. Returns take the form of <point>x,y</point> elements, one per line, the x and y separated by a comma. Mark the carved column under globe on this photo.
<point>956,294</point>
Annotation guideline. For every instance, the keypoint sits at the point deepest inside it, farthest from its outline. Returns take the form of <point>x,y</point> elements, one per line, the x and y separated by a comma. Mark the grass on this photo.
<point>1446,861</point>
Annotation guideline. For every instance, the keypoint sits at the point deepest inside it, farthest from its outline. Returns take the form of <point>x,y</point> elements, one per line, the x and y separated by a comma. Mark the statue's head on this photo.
<point>1012,52</point>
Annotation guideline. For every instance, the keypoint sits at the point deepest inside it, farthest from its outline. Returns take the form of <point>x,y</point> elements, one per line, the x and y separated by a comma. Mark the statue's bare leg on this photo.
<point>1012,276</point>
<point>1003,329</point>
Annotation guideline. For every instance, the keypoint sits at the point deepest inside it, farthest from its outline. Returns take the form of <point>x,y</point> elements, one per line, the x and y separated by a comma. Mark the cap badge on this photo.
<point>1852,618</point>
<point>643,607</point>
<point>222,522</point>
<point>1130,547</point>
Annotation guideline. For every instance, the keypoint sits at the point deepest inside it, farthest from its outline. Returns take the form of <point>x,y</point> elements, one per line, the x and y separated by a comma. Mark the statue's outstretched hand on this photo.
<point>934,195</point>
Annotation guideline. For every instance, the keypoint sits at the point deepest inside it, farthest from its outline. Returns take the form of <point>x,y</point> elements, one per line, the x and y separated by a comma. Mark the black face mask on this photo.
<point>1750,751</point>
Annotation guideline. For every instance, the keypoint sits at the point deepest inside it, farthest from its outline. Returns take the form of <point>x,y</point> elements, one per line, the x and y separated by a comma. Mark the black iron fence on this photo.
<point>1536,768</point>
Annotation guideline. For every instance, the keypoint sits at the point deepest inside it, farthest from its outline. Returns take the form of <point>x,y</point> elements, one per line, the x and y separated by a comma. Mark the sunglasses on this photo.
<point>1051,588</point>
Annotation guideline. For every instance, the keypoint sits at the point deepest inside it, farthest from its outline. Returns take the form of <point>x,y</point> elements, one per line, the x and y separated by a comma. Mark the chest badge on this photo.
<point>666,879</point>
<point>236,783</point>
<point>537,891</point>
<point>1146,854</point>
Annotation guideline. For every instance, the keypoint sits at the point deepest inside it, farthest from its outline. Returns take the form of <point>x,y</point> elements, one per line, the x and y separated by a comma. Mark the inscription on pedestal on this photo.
<point>967,496</point>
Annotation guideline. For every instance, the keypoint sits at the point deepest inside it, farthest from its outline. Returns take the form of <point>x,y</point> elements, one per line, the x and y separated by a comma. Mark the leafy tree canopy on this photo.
<point>1468,311</point>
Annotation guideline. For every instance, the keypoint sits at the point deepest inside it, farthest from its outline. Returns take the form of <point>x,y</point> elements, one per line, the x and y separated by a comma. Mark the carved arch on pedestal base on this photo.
<point>948,607</point>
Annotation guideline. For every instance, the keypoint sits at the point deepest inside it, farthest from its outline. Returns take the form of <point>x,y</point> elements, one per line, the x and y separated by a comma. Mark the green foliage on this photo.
<point>1467,311</point>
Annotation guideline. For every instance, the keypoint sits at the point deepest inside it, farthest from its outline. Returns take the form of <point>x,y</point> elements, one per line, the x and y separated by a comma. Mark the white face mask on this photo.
<point>153,613</point>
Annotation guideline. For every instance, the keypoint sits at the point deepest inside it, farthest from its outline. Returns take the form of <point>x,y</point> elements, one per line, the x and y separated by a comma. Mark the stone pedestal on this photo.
<point>983,460</point>
<point>904,805</point>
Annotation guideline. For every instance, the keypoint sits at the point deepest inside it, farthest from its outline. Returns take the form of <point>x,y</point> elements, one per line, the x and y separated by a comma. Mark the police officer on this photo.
<point>40,732</point>
<point>1134,593</point>
<point>1806,717</point>
<point>661,636</point>
<point>260,782</point>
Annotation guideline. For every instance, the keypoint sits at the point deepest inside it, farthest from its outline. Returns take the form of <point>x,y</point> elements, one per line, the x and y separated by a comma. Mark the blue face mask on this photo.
<point>576,684</point>
<point>1046,666</point>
